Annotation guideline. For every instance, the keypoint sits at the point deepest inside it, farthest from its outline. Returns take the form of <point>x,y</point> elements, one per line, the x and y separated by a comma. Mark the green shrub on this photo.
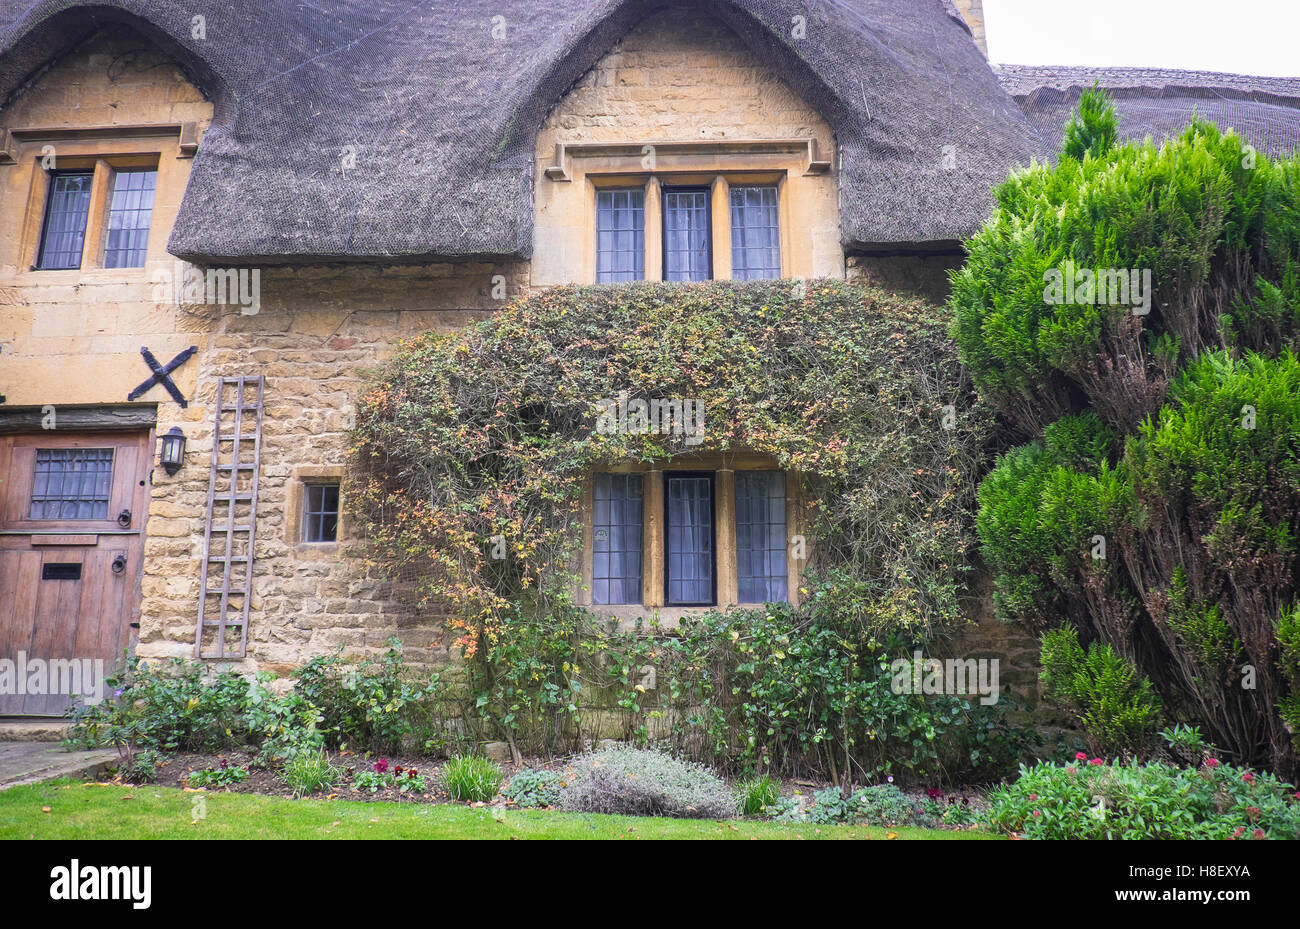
<point>309,772</point>
<point>284,725</point>
<point>1110,698</point>
<point>878,805</point>
<point>1157,506</point>
<point>797,690</point>
<point>757,796</point>
<point>223,776</point>
<point>533,787</point>
<point>166,707</point>
<point>1092,129</point>
<point>371,705</point>
<point>639,782</point>
<point>472,779</point>
<point>1154,800</point>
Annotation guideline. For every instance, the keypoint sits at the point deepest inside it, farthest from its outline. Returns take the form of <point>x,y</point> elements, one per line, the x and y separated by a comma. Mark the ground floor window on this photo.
<point>688,538</point>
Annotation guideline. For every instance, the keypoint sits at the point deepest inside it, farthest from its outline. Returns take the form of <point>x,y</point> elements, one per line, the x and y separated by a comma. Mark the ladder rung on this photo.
<point>237,409</point>
<point>223,622</point>
<point>231,438</point>
<point>233,467</point>
<point>234,591</point>
<point>237,498</point>
<point>224,558</point>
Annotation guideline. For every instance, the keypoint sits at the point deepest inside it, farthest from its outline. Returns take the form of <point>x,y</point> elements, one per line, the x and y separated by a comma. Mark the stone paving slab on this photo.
<point>29,762</point>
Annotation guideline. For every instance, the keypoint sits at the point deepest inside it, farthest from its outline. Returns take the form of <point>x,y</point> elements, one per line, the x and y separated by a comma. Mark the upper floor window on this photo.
<point>755,233</point>
<point>129,216</point>
<point>662,231</point>
<point>101,211</point>
<point>67,208</point>
<point>688,251</point>
<point>620,235</point>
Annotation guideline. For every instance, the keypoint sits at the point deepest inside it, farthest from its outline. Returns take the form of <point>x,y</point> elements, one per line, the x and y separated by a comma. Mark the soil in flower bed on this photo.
<point>176,769</point>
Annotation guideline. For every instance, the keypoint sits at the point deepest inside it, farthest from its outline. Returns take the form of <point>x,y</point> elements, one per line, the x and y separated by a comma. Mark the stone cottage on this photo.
<point>215,217</point>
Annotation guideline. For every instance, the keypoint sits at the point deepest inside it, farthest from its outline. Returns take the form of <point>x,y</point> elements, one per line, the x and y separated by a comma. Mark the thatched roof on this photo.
<point>443,117</point>
<point>1160,103</point>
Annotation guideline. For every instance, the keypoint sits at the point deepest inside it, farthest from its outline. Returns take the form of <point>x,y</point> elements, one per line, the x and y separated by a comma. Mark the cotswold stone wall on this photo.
<point>318,333</point>
<point>923,276</point>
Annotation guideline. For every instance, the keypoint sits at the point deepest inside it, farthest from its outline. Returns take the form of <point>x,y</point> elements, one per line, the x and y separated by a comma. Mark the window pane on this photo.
<point>66,212</point>
<point>690,540</point>
<point>687,254</point>
<point>321,513</point>
<point>72,483</point>
<point>616,539</point>
<point>620,235</point>
<point>755,233</point>
<point>760,536</point>
<point>129,217</point>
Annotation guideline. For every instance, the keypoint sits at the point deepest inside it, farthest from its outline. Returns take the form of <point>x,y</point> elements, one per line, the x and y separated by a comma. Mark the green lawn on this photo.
<point>107,811</point>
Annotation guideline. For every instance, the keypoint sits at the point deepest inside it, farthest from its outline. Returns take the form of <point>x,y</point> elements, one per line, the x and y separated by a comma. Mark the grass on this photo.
<point>108,811</point>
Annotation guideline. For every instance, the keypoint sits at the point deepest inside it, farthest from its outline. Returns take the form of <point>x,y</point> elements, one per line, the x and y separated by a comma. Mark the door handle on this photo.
<point>119,563</point>
<point>124,519</point>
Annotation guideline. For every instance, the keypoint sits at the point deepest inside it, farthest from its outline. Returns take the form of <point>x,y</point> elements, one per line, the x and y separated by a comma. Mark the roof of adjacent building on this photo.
<point>443,117</point>
<point>1160,102</point>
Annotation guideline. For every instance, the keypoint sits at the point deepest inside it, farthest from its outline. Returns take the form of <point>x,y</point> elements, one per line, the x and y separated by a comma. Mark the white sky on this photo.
<point>1243,36</point>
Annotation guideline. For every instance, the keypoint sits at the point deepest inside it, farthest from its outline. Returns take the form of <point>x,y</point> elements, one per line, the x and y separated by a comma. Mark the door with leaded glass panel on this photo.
<point>72,512</point>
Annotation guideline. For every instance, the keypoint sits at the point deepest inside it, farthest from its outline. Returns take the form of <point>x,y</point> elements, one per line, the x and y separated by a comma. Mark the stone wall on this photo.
<point>924,276</point>
<point>318,334</point>
<point>973,12</point>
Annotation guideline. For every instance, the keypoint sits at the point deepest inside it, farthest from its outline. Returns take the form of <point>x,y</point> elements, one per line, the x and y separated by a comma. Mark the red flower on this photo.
<point>1252,811</point>
<point>412,772</point>
<point>1037,813</point>
<point>397,770</point>
<point>1080,756</point>
<point>935,793</point>
<point>1248,777</point>
<point>1211,762</point>
<point>1033,797</point>
<point>1240,830</point>
<point>1096,761</point>
<point>381,765</point>
<point>1259,833</point>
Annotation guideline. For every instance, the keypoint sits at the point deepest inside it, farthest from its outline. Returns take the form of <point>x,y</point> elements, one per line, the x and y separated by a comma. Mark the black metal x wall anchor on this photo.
<point>161,375</point>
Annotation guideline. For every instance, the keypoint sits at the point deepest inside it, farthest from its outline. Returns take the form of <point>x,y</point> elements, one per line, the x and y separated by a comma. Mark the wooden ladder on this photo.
<point>232,484</point>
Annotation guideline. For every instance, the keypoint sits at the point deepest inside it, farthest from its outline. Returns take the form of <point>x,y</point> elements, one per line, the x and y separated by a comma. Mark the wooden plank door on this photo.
<point>72,512</point>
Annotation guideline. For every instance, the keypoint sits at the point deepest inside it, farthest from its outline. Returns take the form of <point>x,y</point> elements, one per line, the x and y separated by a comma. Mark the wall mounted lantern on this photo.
<point>173,450</point>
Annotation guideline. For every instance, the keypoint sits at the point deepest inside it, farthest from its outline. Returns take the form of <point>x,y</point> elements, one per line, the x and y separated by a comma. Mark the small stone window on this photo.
<point>320,512</point>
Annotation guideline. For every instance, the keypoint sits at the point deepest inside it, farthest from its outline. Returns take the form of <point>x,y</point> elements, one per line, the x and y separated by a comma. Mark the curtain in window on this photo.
<point>620,235</point>
<point>761,536</point>
<point>755,234</point>
<point>616,539</point>
<point>690,540</point>
<point>686,235</point>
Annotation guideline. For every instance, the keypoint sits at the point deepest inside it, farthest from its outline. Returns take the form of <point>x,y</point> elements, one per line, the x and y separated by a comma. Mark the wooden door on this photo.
<point>72,512</point>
